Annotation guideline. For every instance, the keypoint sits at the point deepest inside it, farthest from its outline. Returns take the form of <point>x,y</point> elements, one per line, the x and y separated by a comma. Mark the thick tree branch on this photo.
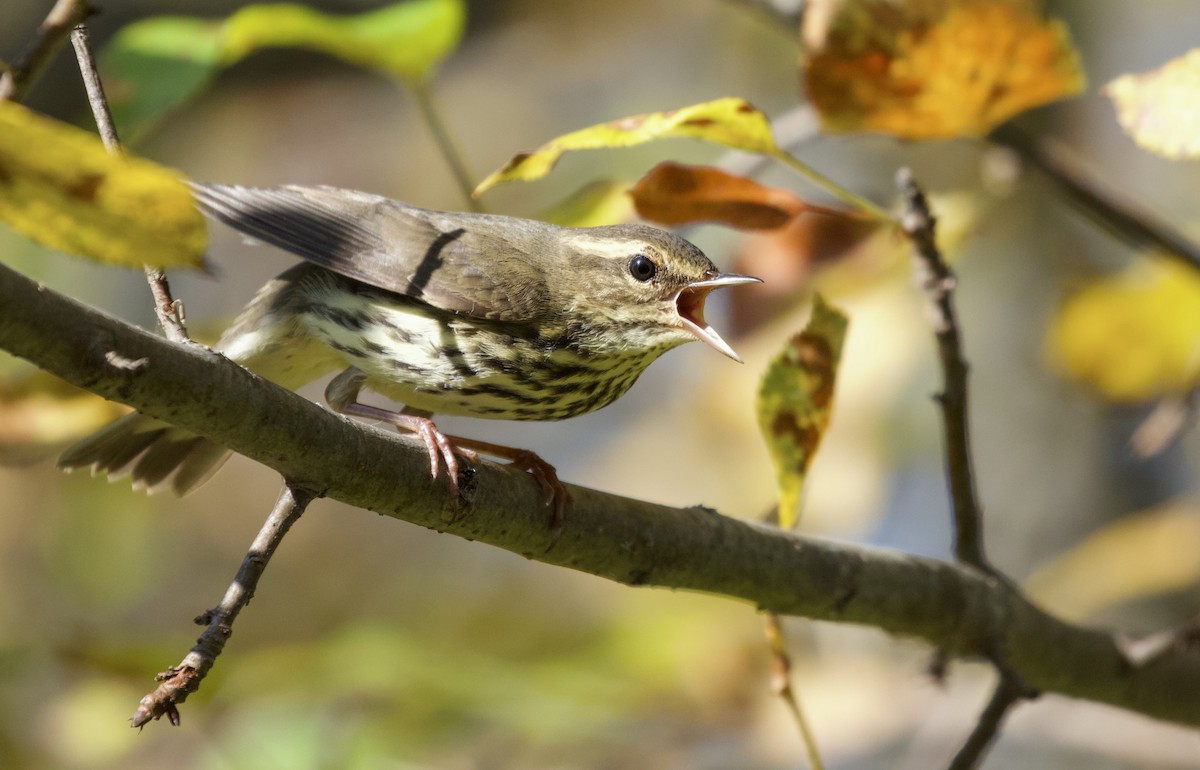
<point>182,680</point>
<point>633,542</point>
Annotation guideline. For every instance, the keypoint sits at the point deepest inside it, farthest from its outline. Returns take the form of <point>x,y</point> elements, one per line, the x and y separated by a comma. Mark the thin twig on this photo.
<point>781,685</point>
<point>17,79</point>
<point>1005,696</point>
<point>445,141</point>
<point>937,281</point>
<point>1099,202</point>
<point>180,681</point>
<point>170,318</point>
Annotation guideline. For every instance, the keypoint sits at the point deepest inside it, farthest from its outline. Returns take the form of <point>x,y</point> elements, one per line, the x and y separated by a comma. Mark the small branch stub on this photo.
<point>178,682</point>
<point>938,283</point>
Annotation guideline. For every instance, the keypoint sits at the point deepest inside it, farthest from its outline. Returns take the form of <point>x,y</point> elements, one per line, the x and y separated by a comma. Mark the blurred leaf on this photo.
<point>39,413</point>
<point>61,187</point>
<point>795,400</point>
<point>730,121</point>
<point>675,194</point>
<point>152,66</point>
<point>603,202</point>
<point>789,258</point>
<point>157,64</point>
<point>1135,336</point>
<point>404,40</point>
<point>934,69</point>
<point>1141,555</point>
<point>1160,109</point>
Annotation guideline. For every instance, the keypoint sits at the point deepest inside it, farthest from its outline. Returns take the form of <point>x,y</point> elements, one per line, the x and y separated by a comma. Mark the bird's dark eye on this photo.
<point>642,267</point>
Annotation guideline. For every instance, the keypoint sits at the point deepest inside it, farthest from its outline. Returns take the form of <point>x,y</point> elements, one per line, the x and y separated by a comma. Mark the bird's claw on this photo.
<point>555,491</point>
<point>441,451</point>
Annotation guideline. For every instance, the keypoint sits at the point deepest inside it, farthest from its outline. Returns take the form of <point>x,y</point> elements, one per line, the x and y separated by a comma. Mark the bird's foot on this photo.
<point>553,490</point>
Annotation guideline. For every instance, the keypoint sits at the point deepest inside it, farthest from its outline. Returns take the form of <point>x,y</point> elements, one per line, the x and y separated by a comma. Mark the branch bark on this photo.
<point>629,541</point>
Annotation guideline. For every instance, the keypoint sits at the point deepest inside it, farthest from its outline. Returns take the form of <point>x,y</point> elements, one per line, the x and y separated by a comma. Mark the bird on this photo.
<point>446,313</point>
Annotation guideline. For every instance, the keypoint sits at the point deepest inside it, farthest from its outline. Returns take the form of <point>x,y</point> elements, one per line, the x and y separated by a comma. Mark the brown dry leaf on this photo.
<point>787,258</point>
<point>933,69</point>
<point>1160,109</point>
<point>677,194</point>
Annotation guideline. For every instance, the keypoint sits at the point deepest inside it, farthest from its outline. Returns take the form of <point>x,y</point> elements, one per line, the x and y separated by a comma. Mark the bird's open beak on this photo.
<point>690,303</point>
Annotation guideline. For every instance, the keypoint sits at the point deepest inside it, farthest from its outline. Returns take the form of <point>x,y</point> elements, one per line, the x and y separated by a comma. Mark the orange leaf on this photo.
<point>788,258</point>
<point>675,194</point>
<point>934,69</point>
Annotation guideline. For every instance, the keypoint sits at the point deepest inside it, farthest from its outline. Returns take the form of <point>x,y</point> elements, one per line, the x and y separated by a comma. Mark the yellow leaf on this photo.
<point>1141,555</point>
<point>61,187</point>
<point>795,400</point>
<point>1135,336</point>
<point>1161,109</point>
<point>730,121</point>
<point>154,65</point>
<point>40,413</point>
<point>934,69</point>
<point>603,202</point>
<point>405,39</point>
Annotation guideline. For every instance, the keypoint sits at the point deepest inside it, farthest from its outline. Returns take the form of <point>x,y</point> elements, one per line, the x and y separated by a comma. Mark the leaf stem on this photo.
<point>841,193</point>
<point>445,141</point>
<point>781,685</point>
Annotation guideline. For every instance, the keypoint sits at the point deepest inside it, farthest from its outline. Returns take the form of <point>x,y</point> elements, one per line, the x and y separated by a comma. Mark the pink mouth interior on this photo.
<point>691,306</point>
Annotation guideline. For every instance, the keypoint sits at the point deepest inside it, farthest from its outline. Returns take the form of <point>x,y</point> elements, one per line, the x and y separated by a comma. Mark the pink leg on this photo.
<point>342,397</point>
<point>543,472</point>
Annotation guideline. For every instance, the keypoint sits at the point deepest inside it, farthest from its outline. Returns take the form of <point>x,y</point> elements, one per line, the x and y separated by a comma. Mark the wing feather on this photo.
<point>480,265</point>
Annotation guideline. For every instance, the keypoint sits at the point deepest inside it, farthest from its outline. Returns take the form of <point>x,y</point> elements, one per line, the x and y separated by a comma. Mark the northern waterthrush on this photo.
<point>447,313</point>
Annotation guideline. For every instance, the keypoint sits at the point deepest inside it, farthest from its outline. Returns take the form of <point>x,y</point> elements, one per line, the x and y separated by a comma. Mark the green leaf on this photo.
<point>403,40</point>
<point>155,65</point>
<point>62,188</point>
<point>795,400</point>
<point>731,122</point>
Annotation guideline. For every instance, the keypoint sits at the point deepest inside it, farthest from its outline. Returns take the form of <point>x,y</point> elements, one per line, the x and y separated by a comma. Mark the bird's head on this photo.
<point>637,287</point>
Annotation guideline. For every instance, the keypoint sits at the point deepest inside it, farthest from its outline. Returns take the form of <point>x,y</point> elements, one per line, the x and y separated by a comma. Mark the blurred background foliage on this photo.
<point>373,643</point>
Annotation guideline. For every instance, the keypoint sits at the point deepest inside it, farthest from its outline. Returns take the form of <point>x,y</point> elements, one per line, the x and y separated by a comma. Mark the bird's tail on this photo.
<point>266,339</point>
<point>154,454</point>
